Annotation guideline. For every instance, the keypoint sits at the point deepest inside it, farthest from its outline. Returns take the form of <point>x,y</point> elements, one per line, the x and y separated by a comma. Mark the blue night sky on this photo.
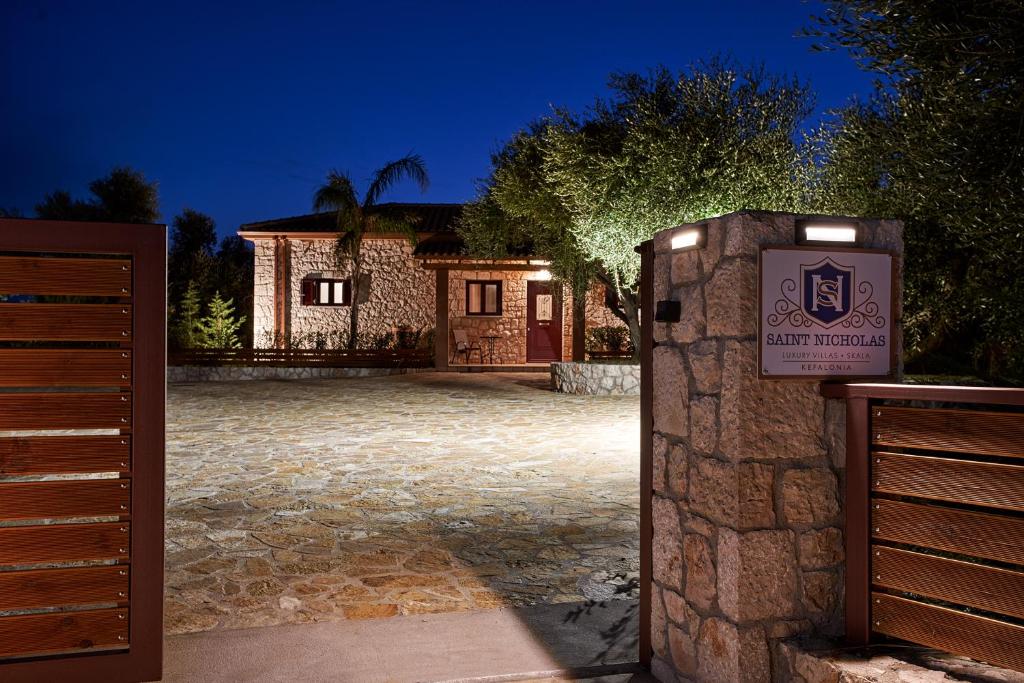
<point>239,109</point>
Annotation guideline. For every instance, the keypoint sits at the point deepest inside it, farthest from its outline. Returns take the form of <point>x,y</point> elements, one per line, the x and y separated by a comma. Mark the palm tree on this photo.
<point>355,219</point>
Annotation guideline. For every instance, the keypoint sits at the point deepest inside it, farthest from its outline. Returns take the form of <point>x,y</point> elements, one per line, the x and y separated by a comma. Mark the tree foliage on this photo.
<point>184,327</point>
<point>663,149</point>
<point>354,218</point>
<point>123,196</point>
<point>195,262</point>
<point>218,329</point>
<point>939,145</point>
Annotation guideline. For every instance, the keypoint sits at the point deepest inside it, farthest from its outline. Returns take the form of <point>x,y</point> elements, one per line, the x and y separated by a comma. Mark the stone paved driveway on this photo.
<point>299,501</point>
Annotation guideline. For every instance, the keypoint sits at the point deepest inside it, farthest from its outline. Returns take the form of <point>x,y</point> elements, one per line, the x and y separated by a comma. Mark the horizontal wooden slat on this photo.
<point>63,631</point>
<point>65,367</point>
<point>958,431</point>
<point>41,588</point>
<point>24,545</point>
<point>26,411</point>
<point>949,479</point>
<point>988,640</point>
<point>941,578</point>
<point>65,276</point>
<point>23,455</point>
<point>988,536</point>
<point>57,499</point>
<point>65,322</point>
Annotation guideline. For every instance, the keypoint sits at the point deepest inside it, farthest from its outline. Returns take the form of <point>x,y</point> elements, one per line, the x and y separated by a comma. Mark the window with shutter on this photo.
<point>326,292</point>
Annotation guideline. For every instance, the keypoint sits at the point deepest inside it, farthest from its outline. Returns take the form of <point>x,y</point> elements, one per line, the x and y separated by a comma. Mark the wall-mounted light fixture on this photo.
<point>543,275</point>
<point>823,231</point>
<point>690,237</point>
<point>668,312</point>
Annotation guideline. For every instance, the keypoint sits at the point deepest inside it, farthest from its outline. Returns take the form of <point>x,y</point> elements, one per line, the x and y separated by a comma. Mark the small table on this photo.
<point>491,338</point>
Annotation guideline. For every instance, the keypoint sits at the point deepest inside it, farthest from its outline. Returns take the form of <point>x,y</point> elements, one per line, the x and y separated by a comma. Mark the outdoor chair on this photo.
<point>465,347</point>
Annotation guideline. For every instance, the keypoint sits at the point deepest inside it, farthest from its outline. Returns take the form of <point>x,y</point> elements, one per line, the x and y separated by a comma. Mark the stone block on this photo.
<point>757,575</point>
<point>718,652</point>
<point>821,548</point>
<point>700,571</point>
<point>660,464</point>
<point>714,490</point>
<point>671,392</point>
<point>764,419</point>
<point>732,299</point>
<point>686,267</point>
<point>821,591</point>
<point>659,624</point>
<point>810,497</point>
<point>712,252</point>
<point>683,651</point>
<point>668,544</point>
<point>755,662</point>
<point>745,232</point>
<point>662,276</point>
<point>679,612</point>
<point>757,496</point>
<point>704,424</point>
<point>707,371</point>
<point>835,431</point>
<point>678,470</point>
<point>692,324</point>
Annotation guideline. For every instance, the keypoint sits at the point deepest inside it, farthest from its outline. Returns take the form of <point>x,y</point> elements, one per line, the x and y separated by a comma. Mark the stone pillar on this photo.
<point>747,515</point>
<point>441,320</point>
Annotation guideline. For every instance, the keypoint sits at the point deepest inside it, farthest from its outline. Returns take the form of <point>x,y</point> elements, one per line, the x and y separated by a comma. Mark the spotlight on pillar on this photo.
<point>822,232</point>
<point>692,237</point>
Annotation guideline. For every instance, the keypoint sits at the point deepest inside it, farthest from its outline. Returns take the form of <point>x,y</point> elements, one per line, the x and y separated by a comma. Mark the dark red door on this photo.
<point>543,323</point>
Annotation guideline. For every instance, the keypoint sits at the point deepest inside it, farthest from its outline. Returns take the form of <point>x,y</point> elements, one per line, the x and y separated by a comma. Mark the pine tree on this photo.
<point>185,329</point>
<point>219,328</point>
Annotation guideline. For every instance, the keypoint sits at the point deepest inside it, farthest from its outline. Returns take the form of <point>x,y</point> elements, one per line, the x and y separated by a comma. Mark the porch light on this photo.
<point>690,238</point>
<point>544,274</point>
<point>824,232</point>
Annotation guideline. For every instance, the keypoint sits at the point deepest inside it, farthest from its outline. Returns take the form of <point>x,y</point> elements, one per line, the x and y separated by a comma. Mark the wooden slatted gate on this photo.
<point>82,367</point>
<point>943,546</point>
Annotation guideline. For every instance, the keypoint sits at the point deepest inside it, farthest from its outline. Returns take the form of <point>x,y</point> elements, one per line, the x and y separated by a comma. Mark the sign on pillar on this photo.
<point>826,313</point>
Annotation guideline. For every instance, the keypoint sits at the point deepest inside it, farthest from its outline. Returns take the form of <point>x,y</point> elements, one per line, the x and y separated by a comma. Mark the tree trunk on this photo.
<point>627,310</point>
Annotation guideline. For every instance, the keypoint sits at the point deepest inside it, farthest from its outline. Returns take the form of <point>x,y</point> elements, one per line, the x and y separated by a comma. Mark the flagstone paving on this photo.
<point>311,500</point>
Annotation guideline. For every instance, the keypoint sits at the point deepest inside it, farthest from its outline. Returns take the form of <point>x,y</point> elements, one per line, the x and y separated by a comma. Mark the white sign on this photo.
<point>825,313</point>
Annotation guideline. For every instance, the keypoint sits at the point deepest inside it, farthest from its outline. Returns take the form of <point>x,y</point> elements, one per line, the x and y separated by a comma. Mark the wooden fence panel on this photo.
<point>65,367</point>
<point>988,536</point>
<point>66,322</point>
<point>42,588</point>
<point>43,544</point>
<point>952,480</point>
<point>963,583</point>
<point>958,431</point>
<point>82,347</point>
<point>65,276</point>
<point>951,630</point>
<point>63,632</point>
<point>25,455</point>
<point>64,499</point>
<point>32,411</point>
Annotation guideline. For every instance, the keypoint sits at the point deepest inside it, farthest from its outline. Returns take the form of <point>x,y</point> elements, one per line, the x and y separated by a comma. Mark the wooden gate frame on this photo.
<point>147,245</point>
<point>646,251</point>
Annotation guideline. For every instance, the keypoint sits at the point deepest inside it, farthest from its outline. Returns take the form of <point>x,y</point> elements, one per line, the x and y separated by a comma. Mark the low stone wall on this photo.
<point>598,379</point>
<point>230,373</point>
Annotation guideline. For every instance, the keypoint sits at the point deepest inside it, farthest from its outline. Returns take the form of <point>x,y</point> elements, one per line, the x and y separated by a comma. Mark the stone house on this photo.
<point>510,307</point>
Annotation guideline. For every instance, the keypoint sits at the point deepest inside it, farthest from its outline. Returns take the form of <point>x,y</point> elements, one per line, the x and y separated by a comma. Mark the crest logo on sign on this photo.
<point>827,292</point>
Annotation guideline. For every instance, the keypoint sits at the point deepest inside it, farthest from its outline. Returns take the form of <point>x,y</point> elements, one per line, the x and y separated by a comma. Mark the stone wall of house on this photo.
<point>510,326</point>
<point>747,516</point>
<point>263,292</point>
<point>401,292</point>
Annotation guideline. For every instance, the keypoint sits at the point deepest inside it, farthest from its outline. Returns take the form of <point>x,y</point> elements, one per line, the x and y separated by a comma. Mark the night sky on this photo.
<point>240,110</point>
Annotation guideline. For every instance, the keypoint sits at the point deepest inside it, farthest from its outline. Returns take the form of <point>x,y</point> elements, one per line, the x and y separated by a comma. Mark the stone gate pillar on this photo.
<point>747,510</point>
